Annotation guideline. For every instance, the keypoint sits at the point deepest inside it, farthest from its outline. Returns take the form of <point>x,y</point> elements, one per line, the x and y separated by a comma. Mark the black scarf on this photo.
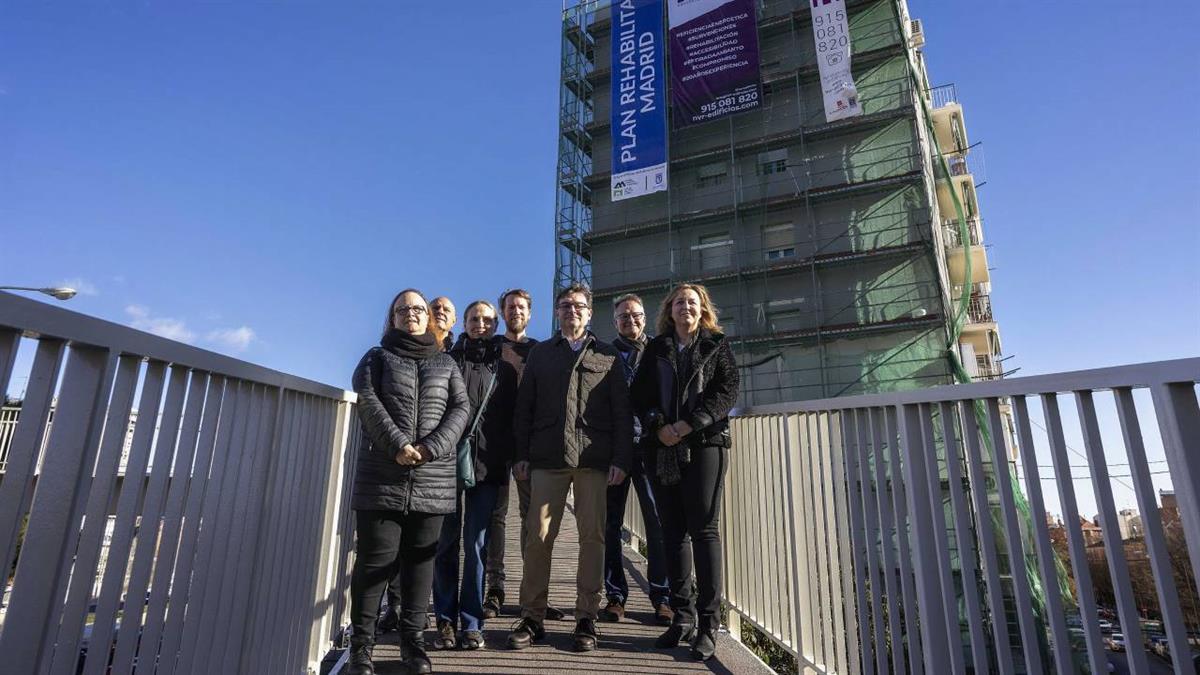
<point>418,347</point>
<point>483,350</point>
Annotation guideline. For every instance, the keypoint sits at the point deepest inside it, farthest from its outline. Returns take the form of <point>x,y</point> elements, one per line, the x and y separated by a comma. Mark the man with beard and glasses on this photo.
<point>516,306</point>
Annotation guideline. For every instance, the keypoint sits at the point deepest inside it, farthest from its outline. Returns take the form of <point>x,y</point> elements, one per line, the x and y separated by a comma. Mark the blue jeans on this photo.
<point>463,607</point>
<point>615,584</point>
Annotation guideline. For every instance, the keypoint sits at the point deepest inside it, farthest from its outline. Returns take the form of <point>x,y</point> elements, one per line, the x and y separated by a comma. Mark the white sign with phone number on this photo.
<point>831,39</point>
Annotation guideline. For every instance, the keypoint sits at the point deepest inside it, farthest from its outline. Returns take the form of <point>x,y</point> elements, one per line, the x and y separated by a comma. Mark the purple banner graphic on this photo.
<point>714,59</point>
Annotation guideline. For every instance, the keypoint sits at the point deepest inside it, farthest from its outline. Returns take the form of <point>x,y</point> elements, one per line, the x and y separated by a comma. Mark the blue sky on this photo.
<point>259,178</point>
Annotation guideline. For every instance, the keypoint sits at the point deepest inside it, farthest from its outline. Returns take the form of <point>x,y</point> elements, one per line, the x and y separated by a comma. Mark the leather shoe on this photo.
<point>555,614</point>
<point>613,613</point>
<point>585,635</point>
<point>526,632</point>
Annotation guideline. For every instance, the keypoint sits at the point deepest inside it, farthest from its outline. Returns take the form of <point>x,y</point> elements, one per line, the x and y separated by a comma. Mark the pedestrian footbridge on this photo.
<point>903,532</point>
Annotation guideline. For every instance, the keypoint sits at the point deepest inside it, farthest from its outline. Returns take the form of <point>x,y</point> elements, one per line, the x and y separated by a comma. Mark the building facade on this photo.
<point>834,251</point>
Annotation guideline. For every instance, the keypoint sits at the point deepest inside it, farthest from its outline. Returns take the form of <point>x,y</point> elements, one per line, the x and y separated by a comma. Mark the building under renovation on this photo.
<point>846,257</point>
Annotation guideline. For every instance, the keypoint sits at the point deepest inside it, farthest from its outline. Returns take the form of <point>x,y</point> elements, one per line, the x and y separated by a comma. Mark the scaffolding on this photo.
<point>823,244</point>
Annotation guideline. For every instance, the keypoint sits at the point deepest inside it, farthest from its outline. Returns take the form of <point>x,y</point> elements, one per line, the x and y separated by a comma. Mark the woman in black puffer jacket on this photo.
<point>685,386</point>
<point>413,408</point>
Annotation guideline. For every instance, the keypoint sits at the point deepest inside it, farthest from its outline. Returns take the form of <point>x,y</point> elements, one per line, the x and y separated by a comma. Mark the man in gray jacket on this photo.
<point>574,427</point>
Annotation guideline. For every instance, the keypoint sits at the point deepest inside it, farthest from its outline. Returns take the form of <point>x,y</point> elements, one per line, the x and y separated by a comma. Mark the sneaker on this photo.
<point>493,604</point>
<point>446,637</point>
<point>360,661</point>
<point>555,614</point>
<point>614,612</point>
<point>413,656</point>
<point>471,639</point>
<point>525,632</point>
<point>585,635</point>
<point>678,632</point>
<point>664,615</point>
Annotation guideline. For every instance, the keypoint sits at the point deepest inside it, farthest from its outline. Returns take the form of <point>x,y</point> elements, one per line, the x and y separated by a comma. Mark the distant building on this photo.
<point>1130,524</point>
<point>1092,534</point>
<point>1170,508</point>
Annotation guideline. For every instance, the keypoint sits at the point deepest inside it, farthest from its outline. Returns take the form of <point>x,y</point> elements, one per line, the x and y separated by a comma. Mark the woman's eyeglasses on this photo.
<point>401,310</point>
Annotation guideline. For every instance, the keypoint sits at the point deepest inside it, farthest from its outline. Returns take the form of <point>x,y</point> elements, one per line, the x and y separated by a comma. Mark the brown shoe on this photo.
<point>664,615</point>
<point>613,613</point>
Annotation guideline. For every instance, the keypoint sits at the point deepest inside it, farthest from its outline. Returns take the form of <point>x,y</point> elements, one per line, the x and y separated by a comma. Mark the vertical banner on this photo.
<point>714,59</point>
<point>831,37</point>
<point>639,104</point>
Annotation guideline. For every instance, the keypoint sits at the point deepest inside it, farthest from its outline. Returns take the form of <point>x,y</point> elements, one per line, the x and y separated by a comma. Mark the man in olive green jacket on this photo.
<point>574,427</point>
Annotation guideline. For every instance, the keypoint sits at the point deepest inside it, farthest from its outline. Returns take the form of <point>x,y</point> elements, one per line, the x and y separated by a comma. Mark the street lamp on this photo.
<point>58,292</point>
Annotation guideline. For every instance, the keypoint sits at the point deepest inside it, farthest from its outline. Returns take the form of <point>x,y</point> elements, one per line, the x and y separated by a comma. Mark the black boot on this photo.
<point>360,660</point>
<point>705,644</point>
<point>678,632</point>
<point>412,654</point>
<point>390,622</point>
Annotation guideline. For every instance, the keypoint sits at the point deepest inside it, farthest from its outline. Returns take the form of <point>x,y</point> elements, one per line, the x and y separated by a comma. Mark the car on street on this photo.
<point>1115,642</point>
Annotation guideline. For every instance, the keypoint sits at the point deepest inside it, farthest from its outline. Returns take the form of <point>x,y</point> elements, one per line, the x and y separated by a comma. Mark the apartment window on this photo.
<point>715,251</point>
<point>778,242</point>
<point>783,314</point>
<point>771,162</point>
<point>784,320</point>
<point>711,175</point>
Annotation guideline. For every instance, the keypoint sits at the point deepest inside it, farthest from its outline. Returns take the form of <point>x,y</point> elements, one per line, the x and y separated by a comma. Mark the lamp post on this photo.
<point>58,292</point>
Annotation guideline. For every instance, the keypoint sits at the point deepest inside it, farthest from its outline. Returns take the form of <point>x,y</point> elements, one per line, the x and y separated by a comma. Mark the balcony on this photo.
<point>987,368</point>
<point>241,538</point>
<point>953,235</point>
<point>949,129</point>
<point>979,310</point>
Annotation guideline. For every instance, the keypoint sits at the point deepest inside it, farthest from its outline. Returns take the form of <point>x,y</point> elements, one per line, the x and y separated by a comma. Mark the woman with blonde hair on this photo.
<point>684,388</point>
<point>413,407</point>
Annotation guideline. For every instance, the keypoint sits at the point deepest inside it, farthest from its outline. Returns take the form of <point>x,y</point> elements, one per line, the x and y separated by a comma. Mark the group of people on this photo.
<point>446,422</point>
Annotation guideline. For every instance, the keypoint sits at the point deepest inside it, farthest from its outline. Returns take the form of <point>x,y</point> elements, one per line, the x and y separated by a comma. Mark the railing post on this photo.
<point>1178,420</point>
<point>39,569</point>
<point>331,530</point>
<point>934,642</point>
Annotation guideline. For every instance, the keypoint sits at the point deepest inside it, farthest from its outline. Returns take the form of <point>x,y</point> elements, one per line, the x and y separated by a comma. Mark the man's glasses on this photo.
<point>401,310</point>
<point>631,316</point>
<point>572,306</point>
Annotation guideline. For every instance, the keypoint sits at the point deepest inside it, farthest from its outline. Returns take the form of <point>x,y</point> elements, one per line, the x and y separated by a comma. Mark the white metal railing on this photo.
<point>954,235</point>
<point>229,524</point>
<point>943,95</point>
<point>979,308</point>
<point>907,532</point>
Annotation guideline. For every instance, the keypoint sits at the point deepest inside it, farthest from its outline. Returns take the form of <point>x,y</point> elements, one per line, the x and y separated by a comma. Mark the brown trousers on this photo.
<point>548,497</point>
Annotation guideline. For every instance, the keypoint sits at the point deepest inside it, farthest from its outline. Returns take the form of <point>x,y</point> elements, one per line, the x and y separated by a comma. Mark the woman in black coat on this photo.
<point>684,388</point>
<point>413,408</point>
